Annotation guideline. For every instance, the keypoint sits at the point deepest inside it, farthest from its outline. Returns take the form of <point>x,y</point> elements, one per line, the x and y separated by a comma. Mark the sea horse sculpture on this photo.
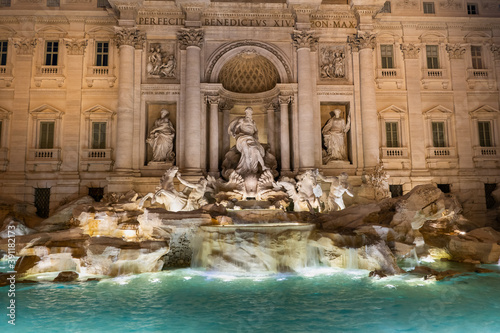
<point>166,193</point>
<point>305,192</point>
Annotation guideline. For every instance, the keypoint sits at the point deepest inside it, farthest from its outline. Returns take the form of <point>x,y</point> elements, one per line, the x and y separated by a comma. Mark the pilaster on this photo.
<point>214,101</point>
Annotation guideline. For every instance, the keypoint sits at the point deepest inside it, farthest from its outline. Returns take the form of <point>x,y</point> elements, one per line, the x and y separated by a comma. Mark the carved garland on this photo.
<point>248,43</point>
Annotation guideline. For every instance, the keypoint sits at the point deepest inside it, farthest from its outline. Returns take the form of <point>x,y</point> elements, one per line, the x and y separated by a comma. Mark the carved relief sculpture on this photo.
<point>161,138</point>
<point>332,63</point>
<point>334,137</point>
<point>160,64</point>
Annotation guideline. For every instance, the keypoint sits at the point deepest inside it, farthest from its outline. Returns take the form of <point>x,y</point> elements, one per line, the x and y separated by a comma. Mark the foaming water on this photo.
<point>314,300</point>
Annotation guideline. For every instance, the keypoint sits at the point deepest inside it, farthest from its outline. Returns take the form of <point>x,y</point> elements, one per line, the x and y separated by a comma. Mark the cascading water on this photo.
<point>255,248</point>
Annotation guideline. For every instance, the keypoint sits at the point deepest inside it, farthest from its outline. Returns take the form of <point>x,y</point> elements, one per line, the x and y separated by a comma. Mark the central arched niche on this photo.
<point>248,72</point>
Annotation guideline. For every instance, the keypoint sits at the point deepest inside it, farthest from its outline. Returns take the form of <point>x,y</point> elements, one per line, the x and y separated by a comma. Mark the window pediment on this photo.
<point>51,32</point>
<point>484,110</point>
<point>392,110</point>
<point>46,111</point>
<point>99,111</point>
<point>4,114</point>
<point>438,111</point>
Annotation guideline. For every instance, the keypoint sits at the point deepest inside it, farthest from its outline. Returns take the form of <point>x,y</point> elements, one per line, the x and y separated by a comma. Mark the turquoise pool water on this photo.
<point>186,300</point>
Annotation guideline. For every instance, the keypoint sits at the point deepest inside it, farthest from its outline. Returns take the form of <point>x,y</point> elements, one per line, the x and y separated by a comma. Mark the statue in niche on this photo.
<point>338,187</point>
<point>332,64</point>
<point>161,138</point>
<point>334,137</point>
<point>248,158</point>
<point>159,64</point>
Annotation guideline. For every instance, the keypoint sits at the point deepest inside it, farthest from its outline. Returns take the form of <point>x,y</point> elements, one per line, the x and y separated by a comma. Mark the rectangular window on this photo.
<point>52,3</point>
<point>438,135</point>
<point>429,8</point>
<point>102,53</point>
<point>46,139</point>
<point>99,135</point>
<point>432,56</point>
<point>472,9</point>
<point>42,202</point>
<point>4,3</point>
<point>391,133</point>
<point>103,4</point>
<point>477,59</point>
<point>3,52</point>
<point>386,51</point>
<point>51,51</point>
<point>484,129</point>
<point>490,199</point>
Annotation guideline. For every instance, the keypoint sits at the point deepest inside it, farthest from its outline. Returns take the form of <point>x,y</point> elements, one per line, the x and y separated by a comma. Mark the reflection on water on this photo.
<point>321,300</point>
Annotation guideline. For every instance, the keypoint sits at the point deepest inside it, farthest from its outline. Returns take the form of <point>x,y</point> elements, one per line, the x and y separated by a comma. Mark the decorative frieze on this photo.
<point>362,40</point>
<point>24,46</point>
<point>190,37</point>
<point>161,64</point>
<point>455,51</point>
<point>129,36</point>
<point>332,63</point>
<point>450,4</point>
<point>495,49</point>
<point>410,51</point>
<point>304,39</point>
<point>407,4</point>
<point>75,47</point>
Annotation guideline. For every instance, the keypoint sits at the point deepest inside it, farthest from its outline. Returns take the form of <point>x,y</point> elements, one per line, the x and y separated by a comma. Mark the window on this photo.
<point>438,134</point>
<point>396,190</point>
<point>477,59</point>
<point>42,201</point>
<point>4,3</point>
<point>102,53</point>
<point>3,52</point>
<point>103,4</point>
<point>429,8</point>
<point>52,3</point>
<point>99,135</point>
<point>51,51</point>
<point>490,199</point>
<point>445,188</point>
<point>391,134</point>
<point>386,51</point>
<point>46,138</point>
<point>484,130</point>
<point>432,57</point>
<point>472,9</point>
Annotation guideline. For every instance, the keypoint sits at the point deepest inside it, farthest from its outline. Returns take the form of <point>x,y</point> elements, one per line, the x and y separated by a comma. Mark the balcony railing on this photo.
<point>487,152</point>
<point>98,71</point>
<point>479,74</point>
<point>395,152</point>
<point>434,73</point>
<point>5,70</point>
<point>97,154</point>
<point>50,70</point>
<point>44,154</point>
<point>441,152</point>
<point>388,73</point>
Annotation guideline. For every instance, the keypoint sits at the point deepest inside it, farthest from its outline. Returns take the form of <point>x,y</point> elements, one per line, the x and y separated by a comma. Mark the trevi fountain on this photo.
<point>252,251</point>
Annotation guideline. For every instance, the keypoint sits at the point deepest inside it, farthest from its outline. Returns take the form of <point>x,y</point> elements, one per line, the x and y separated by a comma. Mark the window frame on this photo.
<point>101,56</point>
<point>485,114</point>
<point>43,138</point>
<point>477,58</point>
<point>429,5</point>
<point>393,129</point>
<point>52,55</point>
<point>383,49</point>
<point>472,6</point>
<point>101,141</point>
<point>4,53</point>
<point>427,57</point>
<point>481,137</point>
<point>442,141</point>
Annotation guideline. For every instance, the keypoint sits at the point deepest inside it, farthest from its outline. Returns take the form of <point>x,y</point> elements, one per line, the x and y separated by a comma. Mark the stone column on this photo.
<point>284,133</point>
<point>191,40</point>
<point>495,50</point>
<point>226,107</point>
<point>19,119</point>
<point>365,42</point>
<point>270,127</point>
<point>126,39</point>
<point>458,72</point>
<point>415,119</point>
<point>303,41</point>
<point>213,101</point>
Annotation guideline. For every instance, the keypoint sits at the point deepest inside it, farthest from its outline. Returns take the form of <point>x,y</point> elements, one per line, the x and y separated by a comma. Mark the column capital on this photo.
<point>285,99</point>
<point>213,99</point>
<point>455,51</point>
<point>410,50</point>
<point>75,46</point>
<point>24,46</point>
<point>226,104</point>
<point>495,49</point>
<point>271,106</point>
<point>304,39</point>
<point>129,36</point>
<point>362,40</point>
<point>190,37</point>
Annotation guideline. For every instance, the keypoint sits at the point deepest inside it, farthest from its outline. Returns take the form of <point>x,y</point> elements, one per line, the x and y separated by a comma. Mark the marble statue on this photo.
<point>305,192</point>
<point>334,137</point>
<point>196,196</point>
<point>161,138</point>
<point>248,158</point>
<point>338,187</point>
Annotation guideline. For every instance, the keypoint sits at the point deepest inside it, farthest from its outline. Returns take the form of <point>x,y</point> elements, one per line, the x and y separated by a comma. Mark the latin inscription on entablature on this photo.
<point>160,20</point>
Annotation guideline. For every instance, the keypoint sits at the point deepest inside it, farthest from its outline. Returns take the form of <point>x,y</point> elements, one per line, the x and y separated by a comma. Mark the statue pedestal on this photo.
<point>155,169</point>
<point>334,168</point>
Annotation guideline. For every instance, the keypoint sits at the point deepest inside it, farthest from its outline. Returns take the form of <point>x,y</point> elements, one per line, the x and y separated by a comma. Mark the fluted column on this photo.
<point>226,107</point>
<point>458,78</point>
<point>303,41</point>
<point>495,50</point>
<point>415,120</point>
<point>191,40</point>
<point>270,127</point>
<point>284,133</point>
<point>126,40</point>
<point>364,43</point>
<point>213,101</point>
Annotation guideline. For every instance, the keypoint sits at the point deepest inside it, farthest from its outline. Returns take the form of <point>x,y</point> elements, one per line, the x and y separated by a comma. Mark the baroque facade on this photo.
<point>83,83</point>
